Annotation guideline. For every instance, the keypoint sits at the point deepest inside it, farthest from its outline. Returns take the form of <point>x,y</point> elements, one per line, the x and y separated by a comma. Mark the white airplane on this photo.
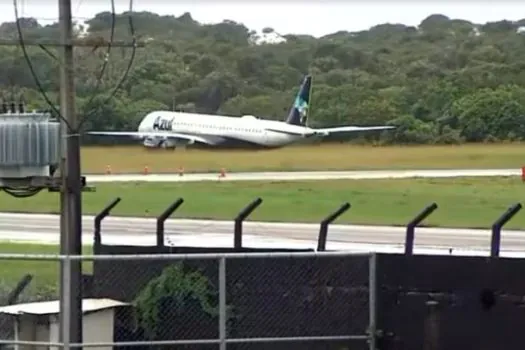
<point>170,129</point>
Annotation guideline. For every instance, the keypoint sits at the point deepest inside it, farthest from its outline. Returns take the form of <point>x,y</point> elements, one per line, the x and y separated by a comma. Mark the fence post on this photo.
<point>372,301</point>
<point>161,219</point>
<point>12,297</point>
<point>323,229</point>
<point>411,227</point>
<point>98,222</point>
<point>498,224</point>
<point>243,214</point>
<point>432,323</point>
<point>222,303</point>
<point>65,303</point>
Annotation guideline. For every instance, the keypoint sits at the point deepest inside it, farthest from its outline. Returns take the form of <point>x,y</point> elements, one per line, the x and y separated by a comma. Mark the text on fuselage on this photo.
<point>162,124</point>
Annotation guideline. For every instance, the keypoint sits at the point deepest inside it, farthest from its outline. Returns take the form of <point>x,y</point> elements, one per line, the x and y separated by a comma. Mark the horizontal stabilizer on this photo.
<point>352,128</point>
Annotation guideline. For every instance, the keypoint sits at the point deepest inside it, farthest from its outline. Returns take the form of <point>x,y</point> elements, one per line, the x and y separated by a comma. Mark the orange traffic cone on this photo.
<point>108,169</point>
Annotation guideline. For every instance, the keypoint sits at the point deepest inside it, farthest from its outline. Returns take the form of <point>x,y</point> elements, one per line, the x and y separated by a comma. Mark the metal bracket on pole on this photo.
<point>497,226</point>
<point>161,219</point>
<point>323,230</point>
<point>243,214</point>
<point>15,293</point>
<point>411,227</point>
<point>98,223</point>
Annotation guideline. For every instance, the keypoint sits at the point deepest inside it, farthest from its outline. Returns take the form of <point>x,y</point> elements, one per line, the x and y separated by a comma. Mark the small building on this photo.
<point>39,322</point>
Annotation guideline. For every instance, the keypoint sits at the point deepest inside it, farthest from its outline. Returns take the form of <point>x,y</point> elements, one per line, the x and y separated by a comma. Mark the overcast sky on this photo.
<point>286,17</point>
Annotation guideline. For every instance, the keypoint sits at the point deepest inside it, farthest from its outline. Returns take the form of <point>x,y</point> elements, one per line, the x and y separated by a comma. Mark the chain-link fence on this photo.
<point>195,301</point>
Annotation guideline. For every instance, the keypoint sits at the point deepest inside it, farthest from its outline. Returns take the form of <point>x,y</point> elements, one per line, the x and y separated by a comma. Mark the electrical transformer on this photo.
<point>29,143</point>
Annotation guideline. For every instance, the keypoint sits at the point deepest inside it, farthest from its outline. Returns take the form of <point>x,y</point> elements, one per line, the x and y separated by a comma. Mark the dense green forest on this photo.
<point>444,81</point>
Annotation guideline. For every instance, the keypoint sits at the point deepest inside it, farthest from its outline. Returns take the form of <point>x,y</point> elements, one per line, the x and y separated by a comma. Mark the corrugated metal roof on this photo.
<point>53,307</point>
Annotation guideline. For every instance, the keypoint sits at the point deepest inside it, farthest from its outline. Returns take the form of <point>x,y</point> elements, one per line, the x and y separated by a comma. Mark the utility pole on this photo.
<point>71,183</point>
<point>71,191</point>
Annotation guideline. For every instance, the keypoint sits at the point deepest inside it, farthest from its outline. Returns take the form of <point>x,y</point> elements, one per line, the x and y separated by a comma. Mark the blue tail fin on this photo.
<point>299,113</point>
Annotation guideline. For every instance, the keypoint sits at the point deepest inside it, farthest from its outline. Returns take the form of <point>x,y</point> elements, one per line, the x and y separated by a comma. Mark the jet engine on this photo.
<point>159,142</point>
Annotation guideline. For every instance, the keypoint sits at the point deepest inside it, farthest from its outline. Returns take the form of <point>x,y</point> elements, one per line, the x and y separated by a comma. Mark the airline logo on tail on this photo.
<point>302,107</point>
<point>299,112</point>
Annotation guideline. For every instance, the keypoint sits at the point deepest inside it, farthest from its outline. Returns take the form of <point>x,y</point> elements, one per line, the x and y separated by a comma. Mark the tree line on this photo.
<point>444,81</point>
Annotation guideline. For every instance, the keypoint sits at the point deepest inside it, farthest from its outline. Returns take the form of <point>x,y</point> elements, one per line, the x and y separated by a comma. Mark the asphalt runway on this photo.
<point>303,175</point>
<point>139,231</point>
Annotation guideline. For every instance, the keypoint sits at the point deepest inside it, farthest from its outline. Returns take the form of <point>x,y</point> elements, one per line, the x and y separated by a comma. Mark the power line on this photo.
<point>80,4</point>
<point>130,62</point>
<point>82,42</point>
<point>108,52</point>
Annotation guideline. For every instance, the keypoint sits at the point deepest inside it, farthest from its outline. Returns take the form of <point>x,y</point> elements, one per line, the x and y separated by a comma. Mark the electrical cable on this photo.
<point>24,192</point>
<point>128,68</point>
<point>10,77</point>
<point>106,55</point>
<point>31,68</point>
<point>108,52</point>
<point>18,192</point>
<point>117,87</point>
<point>78,5</point>
<point>46,50</point>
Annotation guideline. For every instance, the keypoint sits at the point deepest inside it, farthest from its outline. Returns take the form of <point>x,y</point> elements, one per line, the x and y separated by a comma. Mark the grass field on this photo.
<point>46,274</point>
<point>311,157</point>
<point>463,202</point>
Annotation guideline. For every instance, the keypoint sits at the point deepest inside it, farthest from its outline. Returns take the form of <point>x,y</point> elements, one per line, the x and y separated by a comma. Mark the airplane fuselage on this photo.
<point>169,129</point>
<point>221,131</point>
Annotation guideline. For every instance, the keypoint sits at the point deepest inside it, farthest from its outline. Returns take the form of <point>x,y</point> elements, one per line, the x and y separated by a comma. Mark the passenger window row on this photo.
<point>222,127</point>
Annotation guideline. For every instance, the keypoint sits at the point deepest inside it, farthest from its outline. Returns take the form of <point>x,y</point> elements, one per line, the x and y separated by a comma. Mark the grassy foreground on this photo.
<point>45,274</point>
<point>308,157</point>
<point>463,202</point>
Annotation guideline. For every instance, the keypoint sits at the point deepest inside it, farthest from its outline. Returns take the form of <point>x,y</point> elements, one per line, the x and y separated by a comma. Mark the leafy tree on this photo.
<point>444,81</point>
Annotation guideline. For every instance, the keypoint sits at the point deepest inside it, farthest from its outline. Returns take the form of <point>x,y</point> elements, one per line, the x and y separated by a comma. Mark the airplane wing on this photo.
<point>165,135</point>
<point>326,131</point>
